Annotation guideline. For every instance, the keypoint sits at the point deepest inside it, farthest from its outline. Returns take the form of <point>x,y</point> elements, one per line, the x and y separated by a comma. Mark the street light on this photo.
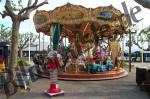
<point>126,25</point>
<point>132,30</point>
<point>29,46</point>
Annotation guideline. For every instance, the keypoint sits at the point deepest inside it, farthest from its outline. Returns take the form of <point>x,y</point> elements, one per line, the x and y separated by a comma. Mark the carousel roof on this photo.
<point>104,21</point>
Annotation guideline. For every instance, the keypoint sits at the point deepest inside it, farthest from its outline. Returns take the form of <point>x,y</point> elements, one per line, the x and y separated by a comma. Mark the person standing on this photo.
<point>53,66</point>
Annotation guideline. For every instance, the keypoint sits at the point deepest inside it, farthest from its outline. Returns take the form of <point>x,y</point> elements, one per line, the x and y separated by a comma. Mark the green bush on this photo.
<point>125,64</point>
<point>22,62</point>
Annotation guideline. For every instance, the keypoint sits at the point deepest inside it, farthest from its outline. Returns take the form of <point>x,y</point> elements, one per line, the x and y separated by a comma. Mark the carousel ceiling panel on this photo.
<point>68,14</point>
<point>76,14</point>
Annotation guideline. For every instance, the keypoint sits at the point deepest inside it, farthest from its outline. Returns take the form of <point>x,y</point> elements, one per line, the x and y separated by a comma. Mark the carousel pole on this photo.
<point>50,42</point>
<point>65,42</point>
<point>132,30</point>
<point>123,48</point>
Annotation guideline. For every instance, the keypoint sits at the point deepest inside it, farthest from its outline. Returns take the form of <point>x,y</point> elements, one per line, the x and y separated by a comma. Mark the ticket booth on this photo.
<point>4,53</point>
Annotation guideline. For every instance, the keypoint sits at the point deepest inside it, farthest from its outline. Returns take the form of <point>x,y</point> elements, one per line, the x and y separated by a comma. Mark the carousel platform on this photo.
<point>84,76</point>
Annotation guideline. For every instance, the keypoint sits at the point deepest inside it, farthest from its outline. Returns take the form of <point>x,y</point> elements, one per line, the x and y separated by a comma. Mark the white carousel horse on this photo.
<point>78,62</point>
<point>68,64</point>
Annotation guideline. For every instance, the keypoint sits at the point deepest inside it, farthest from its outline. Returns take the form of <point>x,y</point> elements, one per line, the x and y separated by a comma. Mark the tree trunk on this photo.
<point>14,46</point>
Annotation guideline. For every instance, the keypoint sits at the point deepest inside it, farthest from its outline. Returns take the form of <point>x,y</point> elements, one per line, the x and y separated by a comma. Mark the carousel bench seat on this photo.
<point>101,67</point>
<point>98,67</point>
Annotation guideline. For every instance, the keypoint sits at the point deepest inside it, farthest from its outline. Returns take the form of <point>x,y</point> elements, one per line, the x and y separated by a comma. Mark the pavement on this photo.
<point>123,88</point>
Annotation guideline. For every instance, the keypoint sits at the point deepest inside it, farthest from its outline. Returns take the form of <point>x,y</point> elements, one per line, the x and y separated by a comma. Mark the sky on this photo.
<point>28,25</point>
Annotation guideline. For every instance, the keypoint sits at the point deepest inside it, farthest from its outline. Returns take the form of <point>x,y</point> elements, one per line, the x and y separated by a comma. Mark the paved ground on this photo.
<point>124,88</point>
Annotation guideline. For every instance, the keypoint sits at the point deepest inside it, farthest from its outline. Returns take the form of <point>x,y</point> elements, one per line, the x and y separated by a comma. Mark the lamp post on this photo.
<point>132,30</point>
<point>29,49</point>
<point>142,52</point>
<point>43,53</point>
<point>125,23</point>
<point>43,42</point>
<point>130,50</point>
<point>36,47</point>
<point>39,44</point>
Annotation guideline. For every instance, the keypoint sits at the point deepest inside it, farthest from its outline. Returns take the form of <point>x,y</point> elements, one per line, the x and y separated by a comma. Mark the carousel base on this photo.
<point>54,90</point>
<point>81,76</point>
<point>54,94</point>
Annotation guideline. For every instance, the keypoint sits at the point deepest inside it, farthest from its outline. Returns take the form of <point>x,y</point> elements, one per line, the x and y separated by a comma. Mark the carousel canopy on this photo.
<point>103,21</point>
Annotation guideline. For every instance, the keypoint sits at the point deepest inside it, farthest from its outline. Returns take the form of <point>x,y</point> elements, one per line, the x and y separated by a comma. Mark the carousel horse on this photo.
<point>118,62</point>
<point>77,62</point>
<point>67,61</point>
<point>68,64</point>
<point>80,61</point>
<point>60,59</point>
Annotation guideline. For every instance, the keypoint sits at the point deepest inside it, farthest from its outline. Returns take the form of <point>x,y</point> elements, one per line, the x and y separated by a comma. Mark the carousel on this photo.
<point>92,53</point>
